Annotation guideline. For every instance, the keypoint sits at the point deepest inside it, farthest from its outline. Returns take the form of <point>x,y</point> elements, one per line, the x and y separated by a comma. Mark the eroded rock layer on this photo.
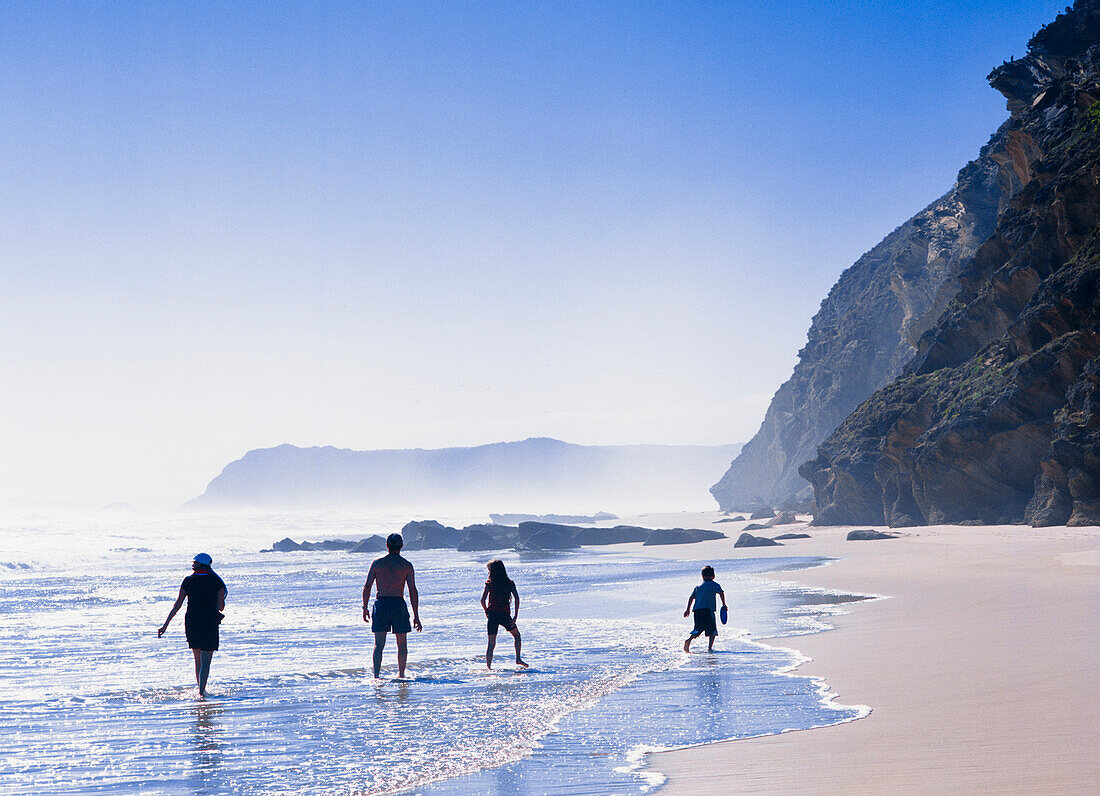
<point>996,416</point>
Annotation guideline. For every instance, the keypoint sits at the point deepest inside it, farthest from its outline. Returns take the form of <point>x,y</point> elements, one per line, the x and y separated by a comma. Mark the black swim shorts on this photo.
<point>390,615</point>
<point>497,619</point>
<point>704,623</point>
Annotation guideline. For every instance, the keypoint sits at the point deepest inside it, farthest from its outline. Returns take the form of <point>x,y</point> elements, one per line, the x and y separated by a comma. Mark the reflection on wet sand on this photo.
<point>206,741</point>
<point>710,703</point>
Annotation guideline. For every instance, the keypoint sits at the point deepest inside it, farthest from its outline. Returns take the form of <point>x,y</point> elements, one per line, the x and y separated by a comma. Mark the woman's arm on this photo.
<point>515,594</point>
<point>484,598</point>
<point>175,608</point>
<point>221,599</point>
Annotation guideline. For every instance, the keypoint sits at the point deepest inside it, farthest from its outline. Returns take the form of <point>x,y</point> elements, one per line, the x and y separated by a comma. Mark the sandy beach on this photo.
<point>978,666</point>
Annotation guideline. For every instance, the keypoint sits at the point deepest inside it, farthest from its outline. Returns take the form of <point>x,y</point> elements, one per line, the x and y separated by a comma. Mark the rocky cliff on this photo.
<point>868,326</point>
<point>996,417</point>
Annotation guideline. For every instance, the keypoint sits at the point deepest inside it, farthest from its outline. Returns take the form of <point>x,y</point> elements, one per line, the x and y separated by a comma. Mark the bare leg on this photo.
<point>489,651</point>
<point>710,643</point>
<point>402,653</point>
<point>687,644</point>
<point>379,645</point>
<point>515,634</point>
<point>198,666</point>
<point>204,658</point>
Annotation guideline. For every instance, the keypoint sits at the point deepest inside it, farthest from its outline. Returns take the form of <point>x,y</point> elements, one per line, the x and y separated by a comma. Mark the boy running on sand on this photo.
<point>703,597</point>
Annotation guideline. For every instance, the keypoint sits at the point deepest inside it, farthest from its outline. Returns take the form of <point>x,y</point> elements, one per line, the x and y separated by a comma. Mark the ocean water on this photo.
<point>95,703</point>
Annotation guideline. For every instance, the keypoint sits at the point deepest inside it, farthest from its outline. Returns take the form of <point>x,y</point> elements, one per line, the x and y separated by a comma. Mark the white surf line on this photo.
<point>827,697</point>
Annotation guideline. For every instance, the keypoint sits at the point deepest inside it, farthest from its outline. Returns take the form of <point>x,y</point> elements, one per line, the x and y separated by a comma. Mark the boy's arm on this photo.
<point>515,594</point>
<point>691,599</point>
<point>722,594</point>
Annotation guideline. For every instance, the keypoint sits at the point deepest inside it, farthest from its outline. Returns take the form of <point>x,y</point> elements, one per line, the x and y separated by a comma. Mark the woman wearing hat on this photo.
<point>205,594</point>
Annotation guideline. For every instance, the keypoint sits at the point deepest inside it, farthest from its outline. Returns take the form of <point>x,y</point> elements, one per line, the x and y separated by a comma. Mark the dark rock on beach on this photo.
<point>435,538</point>
<point>764,513</point>
<point>372,544</point>
<point>545,536</point>
<point>867,535</point>
<point>289,545</point>
<point>432,535</point>
<point>620,534</point>
<point>748,540</point>
<point>755,526</point>
<point>330,544</point>
<point>476,539</point>
<point>783,518</point>
<point>412,530</point>
<point>791,536</point>
<point>505,535</point>
<point>661,536</point>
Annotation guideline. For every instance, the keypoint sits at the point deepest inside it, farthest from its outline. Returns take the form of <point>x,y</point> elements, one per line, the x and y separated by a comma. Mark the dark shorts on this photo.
<point>202,633</point>
<point>498,619</point>
<point>704,623</point>
<point>390,615</point>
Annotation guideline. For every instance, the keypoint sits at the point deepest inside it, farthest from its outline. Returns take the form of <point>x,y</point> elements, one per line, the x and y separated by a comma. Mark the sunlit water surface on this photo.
<point>95,703</point>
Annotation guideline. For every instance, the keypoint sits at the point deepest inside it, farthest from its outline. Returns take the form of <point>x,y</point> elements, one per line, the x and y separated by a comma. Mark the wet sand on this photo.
<point>980,666</point>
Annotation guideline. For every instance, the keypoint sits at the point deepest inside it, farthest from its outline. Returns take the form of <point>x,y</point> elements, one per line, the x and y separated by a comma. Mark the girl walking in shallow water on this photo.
<point>496,600</point>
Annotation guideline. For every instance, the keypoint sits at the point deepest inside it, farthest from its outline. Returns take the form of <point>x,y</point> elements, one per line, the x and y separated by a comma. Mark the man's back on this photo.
<point>390,572</point>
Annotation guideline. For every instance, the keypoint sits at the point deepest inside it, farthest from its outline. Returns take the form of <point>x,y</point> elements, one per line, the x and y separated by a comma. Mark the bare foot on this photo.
<point>687,645</point>
<point>521,663</point>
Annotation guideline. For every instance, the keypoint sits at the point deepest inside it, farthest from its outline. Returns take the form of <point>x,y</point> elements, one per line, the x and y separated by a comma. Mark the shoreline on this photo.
<point>979,668</point>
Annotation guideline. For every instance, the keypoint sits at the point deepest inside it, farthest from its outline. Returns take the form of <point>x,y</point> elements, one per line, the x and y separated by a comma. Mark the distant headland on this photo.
<point>530,475</point>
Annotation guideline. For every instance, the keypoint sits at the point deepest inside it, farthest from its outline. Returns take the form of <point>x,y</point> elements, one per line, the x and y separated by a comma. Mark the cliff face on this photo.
<point>868,326</point>
<point>995,417</point>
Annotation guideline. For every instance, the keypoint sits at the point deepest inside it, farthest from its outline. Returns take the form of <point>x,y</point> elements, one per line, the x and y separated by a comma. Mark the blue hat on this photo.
<point>204,559</point>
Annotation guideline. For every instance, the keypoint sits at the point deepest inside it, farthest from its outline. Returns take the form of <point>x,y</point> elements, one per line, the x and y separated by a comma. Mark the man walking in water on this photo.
<point>390,573</point>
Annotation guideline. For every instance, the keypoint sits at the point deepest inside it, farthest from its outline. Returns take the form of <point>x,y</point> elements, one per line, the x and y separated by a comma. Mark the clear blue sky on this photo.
<point>230,225</point>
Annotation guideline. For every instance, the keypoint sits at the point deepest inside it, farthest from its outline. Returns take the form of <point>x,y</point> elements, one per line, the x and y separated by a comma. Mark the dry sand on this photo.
<point>979,668</point>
